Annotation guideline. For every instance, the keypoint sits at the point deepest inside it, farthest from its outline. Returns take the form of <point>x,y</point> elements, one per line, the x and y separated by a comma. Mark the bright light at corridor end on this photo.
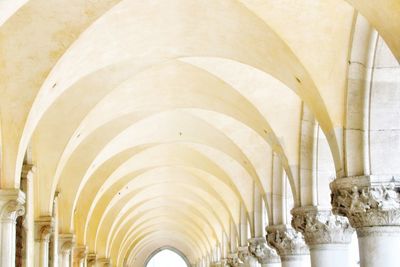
<point>166,258</point>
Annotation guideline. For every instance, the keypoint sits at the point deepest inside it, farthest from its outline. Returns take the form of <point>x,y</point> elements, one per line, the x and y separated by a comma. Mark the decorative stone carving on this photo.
<point>224,262</point>
<point>233,260</point>
<point>104,262</point>
<point>366,203</point>
<point>80,253</point>
<point>320,226</point>
<point>66,242</point>
<point>259,248</point>
<point>28,171</point>
<point>12,210</point>
<point>11,205</point>
<point>286,241</point>
<point>243,254</point>
<point>217,264</point>
<point>91,259</point>
<point>43,228</point>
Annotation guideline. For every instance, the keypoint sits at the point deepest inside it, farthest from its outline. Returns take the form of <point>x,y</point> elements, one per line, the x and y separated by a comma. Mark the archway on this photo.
<point>167,257</point>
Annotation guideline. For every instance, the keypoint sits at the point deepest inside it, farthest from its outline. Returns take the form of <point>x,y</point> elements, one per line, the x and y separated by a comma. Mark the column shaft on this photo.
<point>44,228</point>
<point>296,261</point>
<point>379,246</point>
<point>7,243</point>
<point>330,255</point>
<point>65,259</point>
<point>11,205</point>
<point>27,177</point>
<point>66,244</point>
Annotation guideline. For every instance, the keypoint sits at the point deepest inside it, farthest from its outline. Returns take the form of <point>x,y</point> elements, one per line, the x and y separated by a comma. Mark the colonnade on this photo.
<point>321,237</point>
<point>314,236</point>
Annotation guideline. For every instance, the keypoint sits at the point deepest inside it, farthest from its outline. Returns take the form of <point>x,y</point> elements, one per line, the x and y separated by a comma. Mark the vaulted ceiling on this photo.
<point>155,120</point>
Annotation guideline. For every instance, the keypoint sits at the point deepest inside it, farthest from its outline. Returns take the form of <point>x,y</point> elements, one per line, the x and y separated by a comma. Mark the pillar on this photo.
<point>266,256</point>
<point>43,230</point>
<point>80,254</point>
<point>289,244</point>
<point>28,251</point>
<point>216,257</point>
<point>11,205</point>
<point>373,209</point>
<point>54,237</point>
<point>66,242</point>
<point>328,236</point>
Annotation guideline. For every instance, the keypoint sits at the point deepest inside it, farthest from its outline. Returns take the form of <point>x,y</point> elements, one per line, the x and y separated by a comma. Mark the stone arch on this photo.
<point>293,86</point>
<point>383,17</point>
<point>370,94</point>
<point>177,251</point>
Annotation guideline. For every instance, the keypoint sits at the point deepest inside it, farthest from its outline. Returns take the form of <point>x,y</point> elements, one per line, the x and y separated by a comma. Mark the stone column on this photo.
<point>54,237</point>
<point>327,235</point>
<point>289,244</point>
<point>28,250</point>
<point>373,209</point>
<point>66,242</point>
<point>80,254</point>
<point>11,205</point>
<point>43,230</point>
<point>266,256</point>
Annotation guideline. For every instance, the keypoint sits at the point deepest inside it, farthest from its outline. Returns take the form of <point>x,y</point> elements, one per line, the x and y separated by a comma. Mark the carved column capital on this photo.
<point>80,253</point>
<point>91,259</point>
<point>217,264</point>
<point>233,260</point>
<point>224,262</point>
<point>287,241</point>
<point>28,171</point>
<point>259,248</point>
<point>104,262</point>
<point>321,226</point>
<point>43,228</point>
<point>243,254</point>
<point>65,243</point>
<point>11,204</point>
<point>366,203</point>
